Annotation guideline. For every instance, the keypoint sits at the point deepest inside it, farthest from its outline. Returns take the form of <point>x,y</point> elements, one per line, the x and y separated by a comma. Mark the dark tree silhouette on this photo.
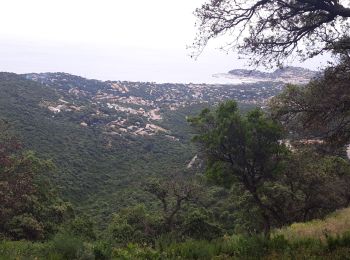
<point>272,30</point>
<point>173,194</point>
<point>319,110</point>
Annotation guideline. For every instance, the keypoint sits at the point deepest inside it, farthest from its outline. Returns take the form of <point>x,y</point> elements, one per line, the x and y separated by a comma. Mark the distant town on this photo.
<point>124,107</point>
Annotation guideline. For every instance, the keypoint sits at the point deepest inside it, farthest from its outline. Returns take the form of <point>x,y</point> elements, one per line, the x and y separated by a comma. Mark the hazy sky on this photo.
<point>139,40</point>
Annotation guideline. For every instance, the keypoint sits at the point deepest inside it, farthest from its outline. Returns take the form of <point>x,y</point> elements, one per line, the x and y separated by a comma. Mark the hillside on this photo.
<point>93,166</point>
<point>107,138</point>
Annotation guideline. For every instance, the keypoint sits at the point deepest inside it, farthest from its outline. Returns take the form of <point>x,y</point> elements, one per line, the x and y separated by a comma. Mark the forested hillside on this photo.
<point>103,154</point>
<point>93,168</point>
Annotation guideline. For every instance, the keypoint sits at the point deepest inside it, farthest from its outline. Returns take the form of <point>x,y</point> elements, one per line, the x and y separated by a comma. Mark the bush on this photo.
<point>13,250</point>
<point>102,250</point>
<point>198,226</point>
<point>279,243</point>
<point>236,246</point>
<point>133,251</point>
<point>192,249</point>
<point>338,241</point>
<point>67,245</point>
<point>244,246</point>
<point>81,227</point>
<point>25,226</point>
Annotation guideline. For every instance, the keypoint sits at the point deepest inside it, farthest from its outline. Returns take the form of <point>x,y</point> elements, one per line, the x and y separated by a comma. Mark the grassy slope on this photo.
<point>319,239</point>
<point>335,224</point>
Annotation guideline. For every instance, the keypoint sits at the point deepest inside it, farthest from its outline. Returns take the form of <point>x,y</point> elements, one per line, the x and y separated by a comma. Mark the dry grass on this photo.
<point>335,224</point>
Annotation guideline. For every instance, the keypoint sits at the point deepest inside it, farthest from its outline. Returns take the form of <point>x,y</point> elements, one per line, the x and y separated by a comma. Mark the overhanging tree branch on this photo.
<point>272,30</point>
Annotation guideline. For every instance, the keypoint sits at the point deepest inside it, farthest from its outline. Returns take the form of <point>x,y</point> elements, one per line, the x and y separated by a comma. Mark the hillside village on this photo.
<point>123,107</point>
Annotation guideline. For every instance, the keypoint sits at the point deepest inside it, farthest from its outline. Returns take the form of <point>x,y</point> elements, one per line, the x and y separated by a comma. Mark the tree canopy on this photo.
<point>319,110</point>
<point>273,30</point>
<point>247,154</point>
<point>241,149</point>
<point>29,207</point>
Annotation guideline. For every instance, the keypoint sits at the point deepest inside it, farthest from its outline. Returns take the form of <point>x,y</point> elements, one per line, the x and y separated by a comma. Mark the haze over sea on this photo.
<point>118,62</point>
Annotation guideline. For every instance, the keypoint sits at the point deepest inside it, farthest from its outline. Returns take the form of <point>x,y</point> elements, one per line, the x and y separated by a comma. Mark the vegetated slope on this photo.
<point>107,138</point>
<point>336,224</point>
<point>93,168</point>
<point>319,239</point>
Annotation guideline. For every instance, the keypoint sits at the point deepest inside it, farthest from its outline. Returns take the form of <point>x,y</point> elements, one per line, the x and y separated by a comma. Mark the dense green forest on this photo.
<point>97,173</point>
<point>89,172</point>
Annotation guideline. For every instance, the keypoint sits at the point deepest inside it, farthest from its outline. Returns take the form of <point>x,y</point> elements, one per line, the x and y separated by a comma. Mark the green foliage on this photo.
<point>241,149</point>
<point>338,241</point>
<point>319,110</point>
<point>24,226</point>
<point>192,249</point>
<point>133,225</point>
<point>29,207</point>
<point>233,142</point>
<point>67,246</point>
<point>98,173</point>
<point>102,250</point>
<point>279,185</point>
<point>336,224</point>
<point>197,225</point>
<point>310,186</point>
<point>238,247</point>
<point>175,195</point>
<point>10,250</point>
<point>314,185</point>
<point>133,251</point>
<point>179,217</point>
<point>228,247</point>
<point>81,226</point>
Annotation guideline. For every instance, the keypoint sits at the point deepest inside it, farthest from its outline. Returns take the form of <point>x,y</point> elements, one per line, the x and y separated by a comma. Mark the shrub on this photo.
<point>279,243</point>
<point>133,251</point>
<point>192,249</point>
<point>338,241</point>
<point>67,245</point>
<point>11,250</point>
<point>102,250</point>
<point>244,246</point>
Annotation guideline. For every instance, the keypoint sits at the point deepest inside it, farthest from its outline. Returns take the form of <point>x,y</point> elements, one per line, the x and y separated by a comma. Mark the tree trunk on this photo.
<point>267,225</point>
